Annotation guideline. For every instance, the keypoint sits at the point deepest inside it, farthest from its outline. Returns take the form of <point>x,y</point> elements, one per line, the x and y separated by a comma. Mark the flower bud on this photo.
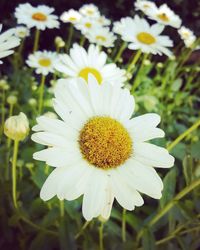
<point>59,42</point>
<point>17,127</point>
<point>32,102</point>
<point>12,100</point>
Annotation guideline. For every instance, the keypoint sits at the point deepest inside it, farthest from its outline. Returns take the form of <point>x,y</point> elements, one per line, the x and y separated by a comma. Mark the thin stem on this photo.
<point>2,111</point>
<point>36,41</point>
<point>62,209</point>
<point>137,78</point>
<point>82,41</point>
<point>183,135</point>
<point>163,211</point>
<point>124,225</point>
<point>14,173</point>
<point>121,50</point>
<point>41,93</point>
<point>82,229</point>
<point>101,247</point>
<point>134,61</point>
<point>69,39</point>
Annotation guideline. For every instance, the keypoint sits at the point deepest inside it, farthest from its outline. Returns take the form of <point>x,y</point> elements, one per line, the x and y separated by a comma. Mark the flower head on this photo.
<point>89,10</point>
<point>8,41</point>
<point>70,16</point>
<point>42,61</point>
<point>187,36</point>
<point>81,63</point>
<point>145,6</point>
<point>97,150</point>
<point>22,32</point>
<point>40,17</point>
<point>17,127</point>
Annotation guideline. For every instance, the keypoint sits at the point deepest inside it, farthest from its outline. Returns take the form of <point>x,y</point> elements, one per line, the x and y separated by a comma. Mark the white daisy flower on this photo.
<point>89,10</point>
<point>118,26</point>
<point>42,61</point>
<point>39,17</point>
<point>141,35</point>
<point>81,63</point>
<point>144,6</point>
<point>86,24</point>
<point>70,16</point>
<point>103,21</point>
<point>187,36</point>
<point>8,41</point>
<point>97,150</point>
<point>101,36</point>
<point>164,15</point>
<point>22,32</point>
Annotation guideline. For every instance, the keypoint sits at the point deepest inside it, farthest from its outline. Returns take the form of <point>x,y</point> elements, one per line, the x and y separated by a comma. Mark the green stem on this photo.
<point>137,78</point>
<point>101,247</point>
<point>14,173</point>
<point>82,229</point>
<point>82,41</point>
<point>121,50</point>
<point>69,39</point>
<point>124,225</point>
<point>183,135</point>
<point>163,211</point>
<point>62,209</point>
<point>36,41</point>
<point>134,61</point>
<point>2,111</point>
<point>41,93</point>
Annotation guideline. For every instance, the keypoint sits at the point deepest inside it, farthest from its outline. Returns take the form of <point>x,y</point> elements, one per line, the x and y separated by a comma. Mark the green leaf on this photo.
<point>195,150</point>
<point>148,240</point>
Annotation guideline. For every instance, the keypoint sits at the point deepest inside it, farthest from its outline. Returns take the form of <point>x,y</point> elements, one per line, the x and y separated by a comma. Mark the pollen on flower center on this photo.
<point>72,18</point>
<point>88,25</point>
<point>102,38</point>
<point>105,143</point>
<point>146,38</point>
<point>45,62</point>
<point>163,17</point>
<point>86,71</point>
<point>38,16</point>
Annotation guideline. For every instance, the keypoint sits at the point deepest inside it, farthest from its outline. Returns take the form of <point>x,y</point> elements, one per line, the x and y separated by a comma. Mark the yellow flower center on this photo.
<point>105,143</point>
<point>163,17</point>
<point>146,6</point>
<point>90,12</point>
<point>146,38</point>
<point>88,25</point>
<point>73,19</point>
<point>101,38</point>
<point>45,62</point>
<point>38,16</point>
<point>86,71</point>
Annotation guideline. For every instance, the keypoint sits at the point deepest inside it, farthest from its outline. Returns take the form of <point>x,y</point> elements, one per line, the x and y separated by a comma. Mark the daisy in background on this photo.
<point>118,26</point>
<point>81,63</point>
<point>145,37</point>
<point>90,10</point>
<point>103,21</point>
<point>101,36</point>
<point>8,41</point>
<point>42,61</point>
<point>97,150</point>
<point>144,6</point>
<point>22,32</point>
<point>40,17</point>
<point>164,15</point>
<point>86,24</point>
<point>187,36</point>
<point>70,16</point>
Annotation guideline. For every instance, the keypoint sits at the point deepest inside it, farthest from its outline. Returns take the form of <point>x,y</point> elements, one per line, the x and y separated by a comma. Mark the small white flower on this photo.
<point>164,15</point>
<point>22,32</point>
<point>144,6</point>
<point>118,26</point>
<point>101,36</point>
<point>8,41</point>
<point>39,17</point>
<point>86,24</point>
<point>141,35</point>
<point>42,61</point>
<point>102,20</point>
<point>187,36</point>
<point>81,63</point>
<point>89,10</point>
<point>70,16</point>
<point>98,150</point>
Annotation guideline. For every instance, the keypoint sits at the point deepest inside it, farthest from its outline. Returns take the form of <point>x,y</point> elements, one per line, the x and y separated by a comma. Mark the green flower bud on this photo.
<point>12,99</point>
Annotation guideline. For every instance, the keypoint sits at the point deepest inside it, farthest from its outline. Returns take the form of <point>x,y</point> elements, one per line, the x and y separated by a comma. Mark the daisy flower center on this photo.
<point>88,25</point>
<point>45,62</point>
<point>86,71</point>
<point>101,38</point>
<point>146,38</point>
<point>90,12</point>
<point>163,17</point>
<point>38,16</point>
<point>72,18</point>
<point>105,143</point>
